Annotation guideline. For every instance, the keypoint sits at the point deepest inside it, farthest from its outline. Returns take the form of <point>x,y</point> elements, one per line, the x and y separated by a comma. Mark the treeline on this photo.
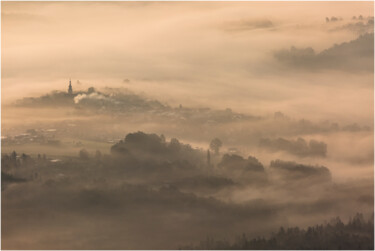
<point>355,235</point>
<point>14,160</point>
<point>140,153</point>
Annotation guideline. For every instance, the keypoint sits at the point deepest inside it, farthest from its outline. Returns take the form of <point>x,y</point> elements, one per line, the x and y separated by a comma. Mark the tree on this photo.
<point>83,154</point>
<point>215,145</point>
<point>13,155</point>
<point>25,159</point>
<point>162,137</point>
<point>98,155</point>
<point>208,158</point>
<point>174,145</point>
<point>91,90</point>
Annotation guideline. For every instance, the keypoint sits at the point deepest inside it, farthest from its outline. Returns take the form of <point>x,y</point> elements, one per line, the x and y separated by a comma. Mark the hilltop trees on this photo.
<point>152,147</point>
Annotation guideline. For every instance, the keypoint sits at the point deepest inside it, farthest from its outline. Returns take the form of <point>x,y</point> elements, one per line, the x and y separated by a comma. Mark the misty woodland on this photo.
<point>187,125</point>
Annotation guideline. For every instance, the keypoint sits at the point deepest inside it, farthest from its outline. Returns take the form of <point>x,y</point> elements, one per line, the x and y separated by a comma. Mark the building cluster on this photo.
<point>42,136</point>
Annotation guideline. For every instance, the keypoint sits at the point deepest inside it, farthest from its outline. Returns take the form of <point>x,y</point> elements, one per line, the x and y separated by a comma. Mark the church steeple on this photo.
<point>70,90</point>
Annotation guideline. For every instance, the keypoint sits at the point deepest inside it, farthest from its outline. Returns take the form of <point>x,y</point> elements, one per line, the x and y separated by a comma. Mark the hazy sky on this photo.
<point>218,54</point>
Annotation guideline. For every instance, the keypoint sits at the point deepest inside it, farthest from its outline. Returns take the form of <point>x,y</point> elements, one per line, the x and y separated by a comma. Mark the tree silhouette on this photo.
<point>83,154</point>
<point>215,145</point>
<point>98,155</point>
<point>174,145</point>
<point>13,155</point>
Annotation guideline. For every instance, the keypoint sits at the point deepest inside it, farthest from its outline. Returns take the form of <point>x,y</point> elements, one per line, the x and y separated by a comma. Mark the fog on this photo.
<point>180,47</point>
<point>185,121</point>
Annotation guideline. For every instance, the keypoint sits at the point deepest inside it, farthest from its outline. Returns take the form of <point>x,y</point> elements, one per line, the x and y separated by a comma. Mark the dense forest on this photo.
<point>356,234</point>
<point>149,182</point>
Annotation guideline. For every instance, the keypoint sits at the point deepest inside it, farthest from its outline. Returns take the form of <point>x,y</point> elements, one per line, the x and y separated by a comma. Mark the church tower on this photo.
<point>70,90</point>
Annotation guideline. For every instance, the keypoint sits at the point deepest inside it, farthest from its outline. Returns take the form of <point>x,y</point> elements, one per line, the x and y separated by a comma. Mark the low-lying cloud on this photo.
<point>248,25</point>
